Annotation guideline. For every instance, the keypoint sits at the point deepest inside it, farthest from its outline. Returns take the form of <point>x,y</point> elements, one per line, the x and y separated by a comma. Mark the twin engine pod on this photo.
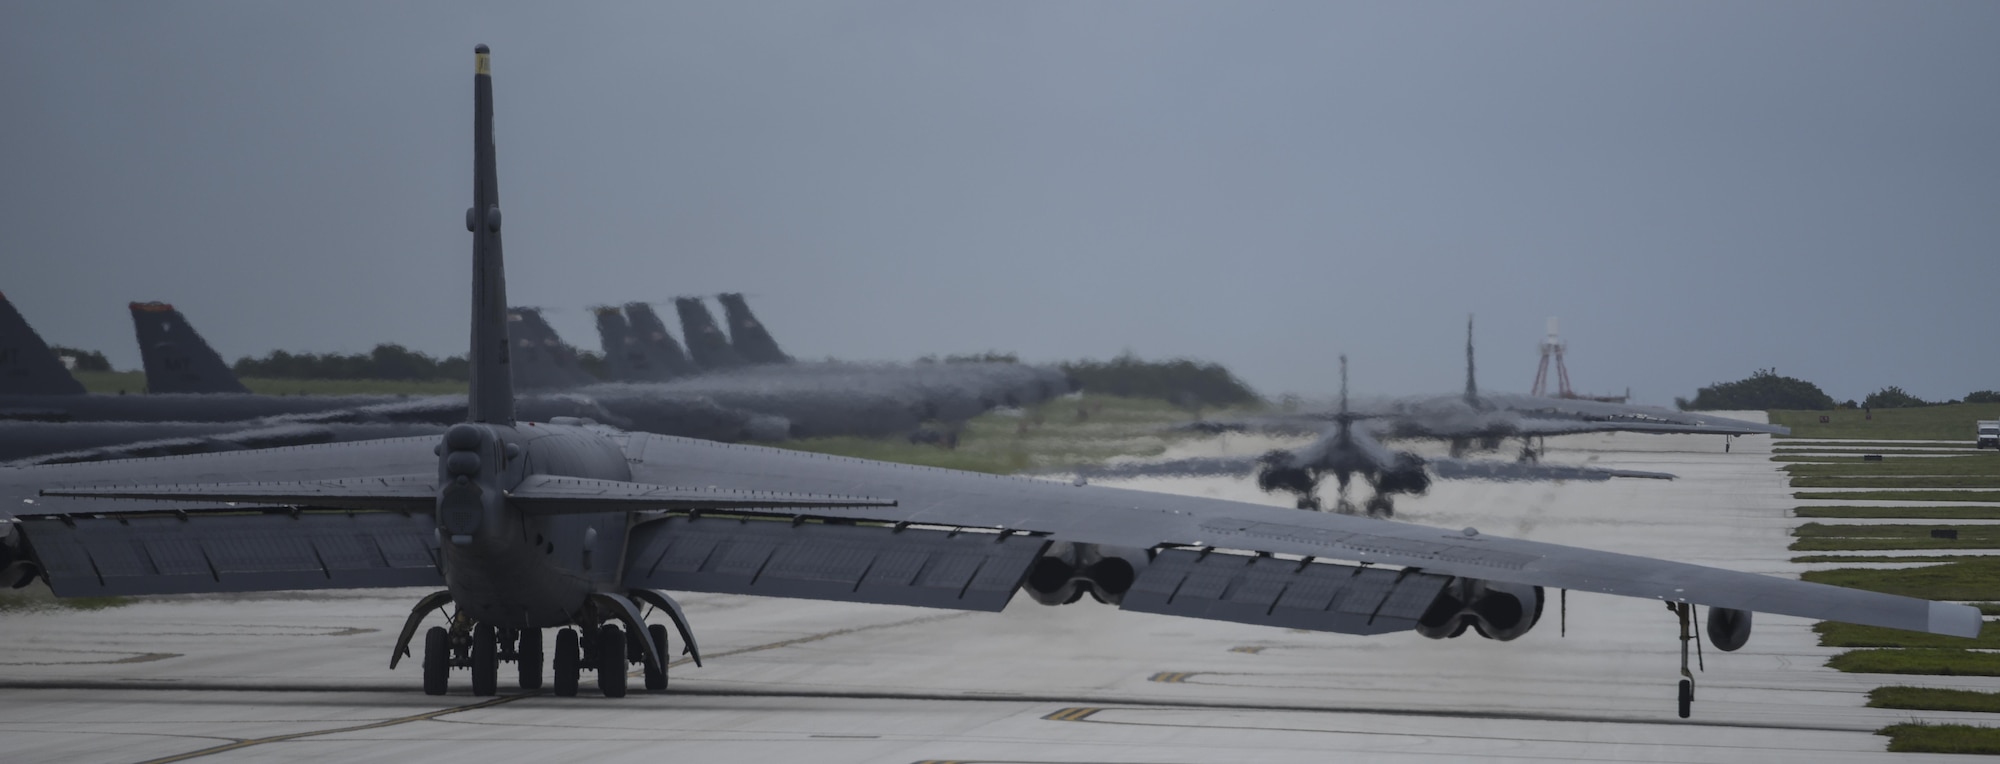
<point>1067,571</point>
<point>1496,610</point>
<point>1728,629</point>
<point>15,568</point>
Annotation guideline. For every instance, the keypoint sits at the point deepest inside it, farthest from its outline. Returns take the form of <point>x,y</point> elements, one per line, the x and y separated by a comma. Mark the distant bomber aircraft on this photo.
<point>177,359</point>
<point>532,526</point>
<point>1349,447</point>
<point>705,341</point>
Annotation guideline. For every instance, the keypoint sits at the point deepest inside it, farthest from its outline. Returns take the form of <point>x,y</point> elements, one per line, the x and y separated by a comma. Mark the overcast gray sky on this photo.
<point>1698,189</point>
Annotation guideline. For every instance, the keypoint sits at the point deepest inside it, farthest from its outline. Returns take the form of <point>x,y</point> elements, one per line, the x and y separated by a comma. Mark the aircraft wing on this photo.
<point>1464,469</point>
<point>1133,519</point>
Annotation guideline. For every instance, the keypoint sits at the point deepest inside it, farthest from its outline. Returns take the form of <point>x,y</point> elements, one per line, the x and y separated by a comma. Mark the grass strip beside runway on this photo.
<point>1974,579</point>
<point>1952,422</point>
<point>1987,465</point>
<point>1940,496</point>
<point>1965,512</point>
<point>1821,537</point>
<point>1934,699</point>
<point>1918,737</point>
<point>1929,660</point>
<point>1833,634</point>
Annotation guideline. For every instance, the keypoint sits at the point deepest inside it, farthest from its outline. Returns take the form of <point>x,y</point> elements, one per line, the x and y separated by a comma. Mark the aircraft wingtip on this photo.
<point>1956,620</point>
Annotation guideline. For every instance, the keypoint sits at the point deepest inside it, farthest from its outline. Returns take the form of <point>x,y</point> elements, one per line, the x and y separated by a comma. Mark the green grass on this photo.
<point>1933,699</point>
<point>1985,465</point>
<point>1977,578</point>
<point>1933,661</point>
<point>1832,634</point>
<point>1919,737</point>
<point>1050,436</point>
<point>1908,513</point>
<point>134,383</point>
<point>1898,495</point>
<point>1810,558</point>
<point>1954,422</point>
<point>1820,537</point>
<point>1891,481</point>
<point>36,596</point>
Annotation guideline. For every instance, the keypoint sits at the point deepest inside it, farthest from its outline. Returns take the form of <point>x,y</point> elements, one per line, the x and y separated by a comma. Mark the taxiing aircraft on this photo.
<point>569,526</point>
<point>1350,447</point>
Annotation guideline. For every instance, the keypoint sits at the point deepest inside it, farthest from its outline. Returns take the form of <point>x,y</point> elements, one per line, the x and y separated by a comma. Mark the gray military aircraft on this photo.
<point>176,358</point>
<point>1482,421</point>
<point>706,343</point>
<point>1349,446</point>
<point>564,525</point>
<point>27,365</point>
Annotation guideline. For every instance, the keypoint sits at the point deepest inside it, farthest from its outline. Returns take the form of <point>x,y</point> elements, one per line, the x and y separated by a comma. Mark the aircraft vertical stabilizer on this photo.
<point>752,341</point>
<point>1471,377</point>
<point>662,351</point>
<point>492,394</point>
<point>177,359</point>
<point>541,360</point>
<point>27,365</point>
<point>705,341</point>
<point>624,360</point>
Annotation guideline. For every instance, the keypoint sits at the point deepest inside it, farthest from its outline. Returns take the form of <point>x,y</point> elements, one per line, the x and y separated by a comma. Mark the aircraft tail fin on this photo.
<point>624,360</point>
<point>27,365</point>
<point>176,358</point>
<point>705,341</point>
<point>492,393</point>
<point>1471,376</point>
<point>541,359</point>
<point>662,351</point>
<point>746,334</point>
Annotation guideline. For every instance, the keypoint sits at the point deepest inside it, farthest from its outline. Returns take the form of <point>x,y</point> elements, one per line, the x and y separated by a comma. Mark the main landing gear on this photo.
<point>607,636</point>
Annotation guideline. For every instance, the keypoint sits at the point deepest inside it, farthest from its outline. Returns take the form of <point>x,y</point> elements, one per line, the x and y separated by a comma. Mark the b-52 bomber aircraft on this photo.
<point>1482,421</point>
<point>563,525</point>
<point>1349,446</point>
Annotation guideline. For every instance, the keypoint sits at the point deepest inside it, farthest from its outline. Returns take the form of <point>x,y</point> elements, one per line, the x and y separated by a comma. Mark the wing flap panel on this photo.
<point>1268,591</point>
<point>232,552</point>
<point>852,563</point>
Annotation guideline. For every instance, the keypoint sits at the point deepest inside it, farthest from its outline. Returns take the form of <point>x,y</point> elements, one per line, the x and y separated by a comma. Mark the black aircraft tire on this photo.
<point>1687,698</point>
<point>611,660</point>
<point>656,680</point>
<point>566,663</point>
<point>530,660</point>
<point>437,661</point>
<point>485,662</point>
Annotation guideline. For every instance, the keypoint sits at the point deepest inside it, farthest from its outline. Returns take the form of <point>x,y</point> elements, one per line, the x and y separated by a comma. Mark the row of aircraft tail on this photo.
<point>636,344</point>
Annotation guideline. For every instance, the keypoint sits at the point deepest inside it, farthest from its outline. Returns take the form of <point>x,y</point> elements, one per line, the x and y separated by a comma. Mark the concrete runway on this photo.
<point>305,677</point>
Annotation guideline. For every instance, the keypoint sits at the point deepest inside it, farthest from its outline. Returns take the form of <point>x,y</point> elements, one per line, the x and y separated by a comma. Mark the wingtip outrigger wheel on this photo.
<point>1690,631</point>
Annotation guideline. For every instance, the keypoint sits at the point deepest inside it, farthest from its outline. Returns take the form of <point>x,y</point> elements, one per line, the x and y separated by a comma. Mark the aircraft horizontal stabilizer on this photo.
<point>548,494</point>
<point>536,495</point>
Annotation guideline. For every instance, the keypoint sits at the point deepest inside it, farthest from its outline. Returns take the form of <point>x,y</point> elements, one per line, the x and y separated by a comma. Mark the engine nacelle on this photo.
<point>1728,629</point>
<point>1499,611</point>
<point>16,570</point>
<point>1067,571</point>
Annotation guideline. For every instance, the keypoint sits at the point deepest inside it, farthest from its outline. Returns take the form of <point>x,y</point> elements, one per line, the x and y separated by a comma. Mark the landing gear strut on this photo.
<point>1689,632</point>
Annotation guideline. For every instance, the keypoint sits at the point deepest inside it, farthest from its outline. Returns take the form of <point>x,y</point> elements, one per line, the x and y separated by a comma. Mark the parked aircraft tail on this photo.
<point>541,360</point>
<point>1471,378</point>
<point>705,341</point>
<point>177,359</point>
<point>662,351</point>
<point>746,334</point>
<point>27,365</point>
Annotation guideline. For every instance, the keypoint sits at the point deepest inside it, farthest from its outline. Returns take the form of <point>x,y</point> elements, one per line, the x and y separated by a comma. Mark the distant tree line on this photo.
<point>86,360</point>
<point>1179,380</point>
<point>1766,390</point>
<point>386,361</point>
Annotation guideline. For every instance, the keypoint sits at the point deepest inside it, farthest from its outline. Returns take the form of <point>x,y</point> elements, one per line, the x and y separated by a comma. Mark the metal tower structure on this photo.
<point>1552,348</point>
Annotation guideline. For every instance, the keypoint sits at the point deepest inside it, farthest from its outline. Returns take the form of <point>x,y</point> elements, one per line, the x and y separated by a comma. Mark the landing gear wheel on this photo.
<point>656,679</point>
<point>611,660</point>
<point>566,663</point>
<point>437,660</point>
<point>530,659</point>
<point>485,661</point>
<point>1687,698</point>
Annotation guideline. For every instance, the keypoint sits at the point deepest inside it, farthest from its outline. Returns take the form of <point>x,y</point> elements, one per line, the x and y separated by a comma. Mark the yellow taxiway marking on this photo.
<point>1073,714</point>
<point>1172,677</point>
<point>1249,649</point>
